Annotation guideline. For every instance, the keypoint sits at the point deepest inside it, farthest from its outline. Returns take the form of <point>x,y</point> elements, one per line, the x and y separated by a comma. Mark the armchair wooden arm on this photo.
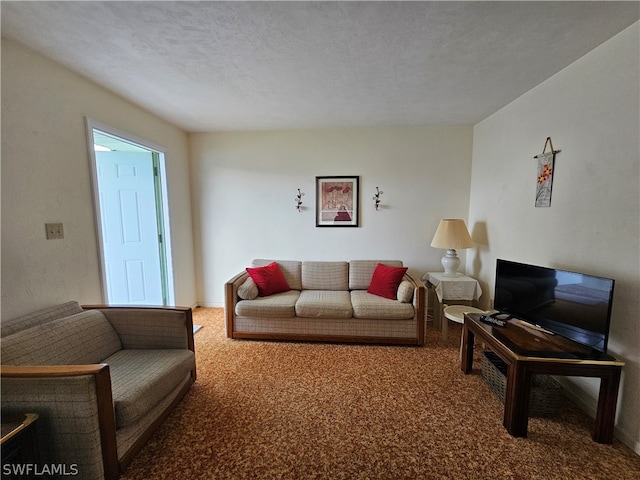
<point>36,371</point>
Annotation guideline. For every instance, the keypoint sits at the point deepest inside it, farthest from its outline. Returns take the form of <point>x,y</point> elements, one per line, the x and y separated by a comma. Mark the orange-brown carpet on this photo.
<point>276,410</point>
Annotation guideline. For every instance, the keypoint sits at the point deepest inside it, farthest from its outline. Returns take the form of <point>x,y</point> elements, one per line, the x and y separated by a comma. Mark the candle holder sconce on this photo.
<point>376,198</point>
<point>299,201</point>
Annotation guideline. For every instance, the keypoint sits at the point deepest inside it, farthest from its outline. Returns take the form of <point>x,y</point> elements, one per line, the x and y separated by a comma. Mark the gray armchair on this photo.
<point>101,379</point>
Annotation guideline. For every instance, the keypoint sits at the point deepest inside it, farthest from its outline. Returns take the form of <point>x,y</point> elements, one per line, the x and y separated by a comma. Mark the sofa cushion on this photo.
<point>325,276</point>
<point>368,305</point>
<point>361,271</point>
<point>154,328</point>
<point>269,279</point>
<point>385,281</point>
<point>9,327</point>
<point>274,306</point>
<point>140,379</point>
<point>324,304</point>
<point>83,338</point>
<point>405,291</point>
<point>248,290</point>
<point>291,269</point>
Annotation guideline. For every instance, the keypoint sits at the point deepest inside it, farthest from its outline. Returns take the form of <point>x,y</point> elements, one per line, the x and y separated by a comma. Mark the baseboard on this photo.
<point>588,405</point>
<point>632,443</point>
<point>210,305</point>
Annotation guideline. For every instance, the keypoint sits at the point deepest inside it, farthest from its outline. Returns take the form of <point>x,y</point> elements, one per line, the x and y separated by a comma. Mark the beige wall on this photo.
<point>45,178</point>
<point>590,110</point>
<point>244,185</point>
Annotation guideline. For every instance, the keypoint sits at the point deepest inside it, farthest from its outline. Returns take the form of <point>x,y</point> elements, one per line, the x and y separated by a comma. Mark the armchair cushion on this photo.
<point>9,327</point>
<point>155,328</point>
<point>83,338</point>
<point>142,378</point>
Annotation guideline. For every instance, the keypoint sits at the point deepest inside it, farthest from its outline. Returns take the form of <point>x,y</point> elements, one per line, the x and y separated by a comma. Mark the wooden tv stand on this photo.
<point>528,352</point>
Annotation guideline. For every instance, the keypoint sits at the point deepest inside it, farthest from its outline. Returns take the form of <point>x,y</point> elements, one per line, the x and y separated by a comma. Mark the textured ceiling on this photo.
<point>208,66</point>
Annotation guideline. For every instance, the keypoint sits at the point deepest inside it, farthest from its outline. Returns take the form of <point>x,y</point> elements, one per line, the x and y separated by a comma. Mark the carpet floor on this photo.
<point>284,410</point>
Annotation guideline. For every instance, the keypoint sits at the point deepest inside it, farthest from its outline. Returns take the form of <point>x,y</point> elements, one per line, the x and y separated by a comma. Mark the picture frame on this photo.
<point>338,201</point>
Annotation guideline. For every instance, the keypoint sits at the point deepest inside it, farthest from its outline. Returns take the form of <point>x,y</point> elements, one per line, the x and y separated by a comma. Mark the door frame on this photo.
<point>162,206</point>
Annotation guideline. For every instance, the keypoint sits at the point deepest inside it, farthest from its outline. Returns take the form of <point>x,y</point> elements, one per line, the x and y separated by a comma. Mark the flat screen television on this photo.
<point>574,305</point>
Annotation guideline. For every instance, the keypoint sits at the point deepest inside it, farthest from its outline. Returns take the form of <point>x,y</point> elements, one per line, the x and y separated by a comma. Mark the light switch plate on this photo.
<point>54,231</point>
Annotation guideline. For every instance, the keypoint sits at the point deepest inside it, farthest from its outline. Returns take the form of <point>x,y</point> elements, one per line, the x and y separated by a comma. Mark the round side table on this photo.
<point>456,312</point>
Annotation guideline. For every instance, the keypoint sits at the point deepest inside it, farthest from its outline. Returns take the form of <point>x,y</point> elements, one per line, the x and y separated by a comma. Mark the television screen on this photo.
<point>574,305</point>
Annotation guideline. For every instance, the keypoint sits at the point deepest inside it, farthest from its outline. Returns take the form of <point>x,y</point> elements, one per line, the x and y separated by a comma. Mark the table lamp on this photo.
<point>451,234</point>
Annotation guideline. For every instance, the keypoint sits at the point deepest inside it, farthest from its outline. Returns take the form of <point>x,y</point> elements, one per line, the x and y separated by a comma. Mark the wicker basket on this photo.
<point>545,391</point>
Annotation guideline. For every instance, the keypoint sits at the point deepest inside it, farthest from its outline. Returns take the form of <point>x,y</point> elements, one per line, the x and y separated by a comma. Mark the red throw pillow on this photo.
<point>385,281</point>
<point>269,279</point>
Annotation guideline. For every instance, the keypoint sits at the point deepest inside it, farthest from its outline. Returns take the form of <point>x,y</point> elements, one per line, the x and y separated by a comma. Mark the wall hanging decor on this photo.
<point>337,201</point>
<point>546,165</point>
<point>299,201</point>
<point>376,198</point>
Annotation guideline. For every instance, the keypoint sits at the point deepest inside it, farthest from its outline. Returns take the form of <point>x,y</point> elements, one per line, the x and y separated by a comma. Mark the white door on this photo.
<point>132,246</point>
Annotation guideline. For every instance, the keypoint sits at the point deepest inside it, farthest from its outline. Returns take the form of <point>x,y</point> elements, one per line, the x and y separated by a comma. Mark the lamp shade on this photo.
<point>452,233</point>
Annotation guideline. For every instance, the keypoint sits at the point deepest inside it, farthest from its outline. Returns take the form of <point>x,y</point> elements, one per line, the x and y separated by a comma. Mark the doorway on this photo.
<point>131,217</point>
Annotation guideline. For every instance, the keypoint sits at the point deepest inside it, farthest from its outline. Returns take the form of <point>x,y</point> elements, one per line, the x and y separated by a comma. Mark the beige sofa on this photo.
<point>328,301</point>
<point>101,379</point>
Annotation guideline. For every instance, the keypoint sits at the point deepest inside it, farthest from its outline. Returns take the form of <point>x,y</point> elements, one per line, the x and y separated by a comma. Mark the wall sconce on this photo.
<point>299,200</point>
<point>376,198</point>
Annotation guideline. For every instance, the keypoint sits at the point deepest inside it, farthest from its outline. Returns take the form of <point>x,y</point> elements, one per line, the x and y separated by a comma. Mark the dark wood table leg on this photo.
<point>468,339</point>
<point>516,402</point>
<point>607,400</point>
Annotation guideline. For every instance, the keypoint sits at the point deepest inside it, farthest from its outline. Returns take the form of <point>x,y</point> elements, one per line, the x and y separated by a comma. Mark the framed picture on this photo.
<point>337,201</point>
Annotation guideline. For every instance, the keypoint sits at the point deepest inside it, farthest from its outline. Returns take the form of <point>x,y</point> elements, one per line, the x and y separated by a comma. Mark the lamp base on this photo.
<point>450,262</point>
